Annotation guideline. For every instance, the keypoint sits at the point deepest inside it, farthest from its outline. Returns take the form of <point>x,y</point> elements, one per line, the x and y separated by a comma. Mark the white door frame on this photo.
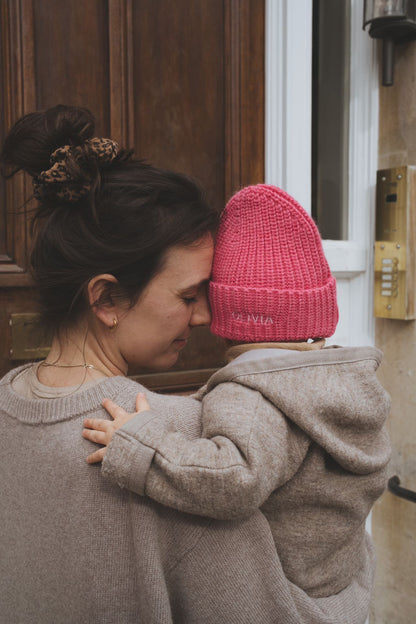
<point>288,136</point>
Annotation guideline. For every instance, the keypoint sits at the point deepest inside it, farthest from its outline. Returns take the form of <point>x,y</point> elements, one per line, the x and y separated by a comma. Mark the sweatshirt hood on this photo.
<point>333,395</point>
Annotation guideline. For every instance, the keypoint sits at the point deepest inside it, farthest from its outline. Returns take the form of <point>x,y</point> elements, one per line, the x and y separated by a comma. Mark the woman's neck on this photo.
<point>78,356</point>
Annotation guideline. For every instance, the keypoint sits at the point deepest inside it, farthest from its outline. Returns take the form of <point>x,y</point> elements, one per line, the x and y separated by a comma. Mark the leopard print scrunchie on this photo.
<point>69,177</point>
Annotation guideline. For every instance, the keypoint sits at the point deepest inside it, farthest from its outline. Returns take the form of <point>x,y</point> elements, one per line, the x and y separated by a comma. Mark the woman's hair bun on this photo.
<point>69,125</point>
<point>74,170</point>
<point>32,140</point>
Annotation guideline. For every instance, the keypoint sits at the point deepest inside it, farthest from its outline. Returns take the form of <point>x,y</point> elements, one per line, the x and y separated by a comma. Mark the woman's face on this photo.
<point>152,333</point>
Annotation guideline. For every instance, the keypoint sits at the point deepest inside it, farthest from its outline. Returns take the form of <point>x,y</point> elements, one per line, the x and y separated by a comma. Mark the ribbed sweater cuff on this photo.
<point>127,461</point>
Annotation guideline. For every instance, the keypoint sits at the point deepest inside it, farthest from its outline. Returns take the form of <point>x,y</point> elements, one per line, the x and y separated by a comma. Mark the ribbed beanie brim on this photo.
<point>270,281</point>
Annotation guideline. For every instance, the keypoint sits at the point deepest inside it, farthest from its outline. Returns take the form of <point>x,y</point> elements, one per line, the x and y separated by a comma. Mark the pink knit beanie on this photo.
<point>270,280</point>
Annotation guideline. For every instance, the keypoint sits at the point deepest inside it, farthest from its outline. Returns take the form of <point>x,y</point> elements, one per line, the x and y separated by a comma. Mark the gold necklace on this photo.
<point>90,366</point>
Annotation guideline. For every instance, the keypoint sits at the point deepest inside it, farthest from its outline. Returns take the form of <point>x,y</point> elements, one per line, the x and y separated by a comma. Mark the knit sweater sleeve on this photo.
<point>246,450</point>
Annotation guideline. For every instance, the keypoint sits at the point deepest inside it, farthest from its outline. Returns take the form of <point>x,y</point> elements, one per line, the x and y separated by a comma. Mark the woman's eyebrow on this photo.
<point>194,286</point>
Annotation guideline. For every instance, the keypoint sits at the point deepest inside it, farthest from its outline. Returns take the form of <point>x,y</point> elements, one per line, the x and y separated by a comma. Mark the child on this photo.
<point>288,425</point>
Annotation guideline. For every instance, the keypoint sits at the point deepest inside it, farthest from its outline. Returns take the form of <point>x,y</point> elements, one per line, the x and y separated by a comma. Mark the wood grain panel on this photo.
<point>232,88</point>
<point>179,88</point>
<point>16,89</point>
<point>71,56</point>
<point>252,38</point>
<point>120,36</point>
<point>244,94</point>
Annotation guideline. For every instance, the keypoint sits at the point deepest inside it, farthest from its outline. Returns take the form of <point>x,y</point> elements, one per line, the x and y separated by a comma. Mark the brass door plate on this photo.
<point>28,339</point>
<point>395,254</point>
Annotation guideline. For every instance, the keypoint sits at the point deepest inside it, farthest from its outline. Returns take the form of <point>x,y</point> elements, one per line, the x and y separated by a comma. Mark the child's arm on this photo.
<point>248,449</point>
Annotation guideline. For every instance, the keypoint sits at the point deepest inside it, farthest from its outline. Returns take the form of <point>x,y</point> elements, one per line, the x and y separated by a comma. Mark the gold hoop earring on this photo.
<point>114,325</point>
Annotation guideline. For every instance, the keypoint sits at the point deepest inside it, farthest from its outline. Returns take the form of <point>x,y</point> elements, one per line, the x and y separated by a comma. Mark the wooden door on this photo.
<point>180,81</point>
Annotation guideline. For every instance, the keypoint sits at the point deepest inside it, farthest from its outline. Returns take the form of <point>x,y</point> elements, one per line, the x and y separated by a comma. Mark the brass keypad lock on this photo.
<point>394,257</point>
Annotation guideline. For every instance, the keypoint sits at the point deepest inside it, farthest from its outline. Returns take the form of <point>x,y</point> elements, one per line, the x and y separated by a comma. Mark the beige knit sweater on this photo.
<point>299,434</point>
<point>76,549</point>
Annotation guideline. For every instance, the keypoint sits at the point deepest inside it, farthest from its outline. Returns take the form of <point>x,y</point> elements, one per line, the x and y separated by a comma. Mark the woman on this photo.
<point>121,255</point>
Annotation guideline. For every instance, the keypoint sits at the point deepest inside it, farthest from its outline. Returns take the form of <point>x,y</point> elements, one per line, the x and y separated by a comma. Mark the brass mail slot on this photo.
<point>28,339</point>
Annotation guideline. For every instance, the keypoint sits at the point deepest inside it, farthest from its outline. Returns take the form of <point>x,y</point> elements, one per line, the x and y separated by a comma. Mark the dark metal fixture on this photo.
<point>394,488</point>
<point>393,21</point>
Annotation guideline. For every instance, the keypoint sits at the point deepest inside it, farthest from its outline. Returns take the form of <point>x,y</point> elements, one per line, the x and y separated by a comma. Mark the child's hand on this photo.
<point>101,431</point>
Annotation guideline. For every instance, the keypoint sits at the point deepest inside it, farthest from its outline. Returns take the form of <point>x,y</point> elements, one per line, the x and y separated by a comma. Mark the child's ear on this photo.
<point>99,298</point>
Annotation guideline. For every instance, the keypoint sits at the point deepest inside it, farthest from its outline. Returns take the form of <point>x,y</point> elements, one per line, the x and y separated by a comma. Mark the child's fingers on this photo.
<point>97,456</point>
<point>141,403</point>
<point>113,409</point>
<point>99,437</point>
<point>99,424</point>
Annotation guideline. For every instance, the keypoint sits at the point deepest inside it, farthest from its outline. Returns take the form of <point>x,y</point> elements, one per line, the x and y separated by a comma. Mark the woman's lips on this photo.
<point>181,342</point>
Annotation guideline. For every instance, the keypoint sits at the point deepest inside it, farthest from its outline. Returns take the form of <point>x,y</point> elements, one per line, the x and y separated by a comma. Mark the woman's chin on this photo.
<point>163,362</point>
<point>156,362</point>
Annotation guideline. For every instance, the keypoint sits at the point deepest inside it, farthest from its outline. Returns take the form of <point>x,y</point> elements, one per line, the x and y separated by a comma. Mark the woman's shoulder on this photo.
<point>63,405</point>
<point>13,373</point>
<point>178,413</point>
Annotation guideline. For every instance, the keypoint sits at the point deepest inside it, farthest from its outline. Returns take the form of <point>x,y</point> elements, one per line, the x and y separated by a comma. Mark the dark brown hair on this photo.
<point>133,214</point>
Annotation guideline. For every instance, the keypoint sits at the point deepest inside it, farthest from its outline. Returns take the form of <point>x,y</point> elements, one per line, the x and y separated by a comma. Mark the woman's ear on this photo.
<point>100,300</point>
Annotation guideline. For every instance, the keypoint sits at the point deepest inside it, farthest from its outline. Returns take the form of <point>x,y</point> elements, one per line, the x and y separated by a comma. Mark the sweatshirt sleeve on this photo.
<point>246,450</point>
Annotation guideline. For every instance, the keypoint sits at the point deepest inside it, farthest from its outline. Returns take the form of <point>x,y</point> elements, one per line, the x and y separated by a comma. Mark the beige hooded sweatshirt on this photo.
<point>300,435</point>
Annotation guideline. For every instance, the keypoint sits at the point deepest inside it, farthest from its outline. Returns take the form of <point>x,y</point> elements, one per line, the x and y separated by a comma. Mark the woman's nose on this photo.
<point>201,314</point>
